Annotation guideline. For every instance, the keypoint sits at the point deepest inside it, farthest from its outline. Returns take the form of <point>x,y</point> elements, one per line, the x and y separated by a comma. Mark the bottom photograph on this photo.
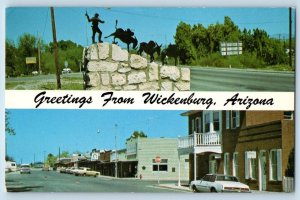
<point>149,151</point>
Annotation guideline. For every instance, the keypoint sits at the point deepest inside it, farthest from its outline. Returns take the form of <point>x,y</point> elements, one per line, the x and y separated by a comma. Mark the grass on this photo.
<point>65,86</point>
<point>13,85</point>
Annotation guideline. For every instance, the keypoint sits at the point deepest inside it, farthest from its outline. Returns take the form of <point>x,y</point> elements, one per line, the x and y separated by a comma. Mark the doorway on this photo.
<point>262,170</point>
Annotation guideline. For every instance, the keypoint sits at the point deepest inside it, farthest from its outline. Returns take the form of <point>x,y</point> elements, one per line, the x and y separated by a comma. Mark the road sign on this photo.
<point>30,60</point>
<point>157,159</point>
<point>66,64</point>
<point>231,48</point>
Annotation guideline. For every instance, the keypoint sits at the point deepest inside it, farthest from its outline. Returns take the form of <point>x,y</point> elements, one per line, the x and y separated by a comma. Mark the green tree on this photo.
<point>184,42</point>
<point>137,134</point>
<point>231,32</point>
<point>65,154</point>
<point>26,48</point>
<point>51,160</point>
<point>10,57</point>
<point>9,158</point>
<point>8,129</point>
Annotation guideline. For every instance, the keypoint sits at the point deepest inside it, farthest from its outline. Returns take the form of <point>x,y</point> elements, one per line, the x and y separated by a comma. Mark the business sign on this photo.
<point>231,48</point>
<point>30,60</point>
<point>94,156</point>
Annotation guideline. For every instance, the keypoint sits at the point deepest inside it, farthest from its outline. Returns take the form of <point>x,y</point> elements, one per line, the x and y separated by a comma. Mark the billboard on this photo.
<point>30,60</point>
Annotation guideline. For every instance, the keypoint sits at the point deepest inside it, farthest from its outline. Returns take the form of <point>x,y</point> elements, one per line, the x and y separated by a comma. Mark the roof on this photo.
<point>190,112</point>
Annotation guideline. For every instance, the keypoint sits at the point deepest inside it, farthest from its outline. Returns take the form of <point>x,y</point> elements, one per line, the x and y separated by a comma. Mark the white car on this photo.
<point>25,169</point>
<point>85,171</point>
<point>66,71</point>
<point>218,183</point>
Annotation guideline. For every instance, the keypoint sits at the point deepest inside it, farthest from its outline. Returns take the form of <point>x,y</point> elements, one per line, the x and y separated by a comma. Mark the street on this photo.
<point>53,181</point>
<point>225,79</point>
<point>202,79</point>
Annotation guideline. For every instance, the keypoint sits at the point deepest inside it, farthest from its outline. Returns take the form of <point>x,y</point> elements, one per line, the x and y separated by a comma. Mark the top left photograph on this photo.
<point>151,49</point>
<point>49,48</point>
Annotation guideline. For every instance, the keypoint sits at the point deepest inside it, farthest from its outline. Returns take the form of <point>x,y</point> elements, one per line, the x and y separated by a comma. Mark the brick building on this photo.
<point>252,145</point>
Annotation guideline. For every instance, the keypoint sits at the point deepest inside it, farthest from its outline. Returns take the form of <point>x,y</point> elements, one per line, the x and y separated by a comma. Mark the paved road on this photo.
<point>42,181</point>
<point>219,79</point>
<point>202,79</point>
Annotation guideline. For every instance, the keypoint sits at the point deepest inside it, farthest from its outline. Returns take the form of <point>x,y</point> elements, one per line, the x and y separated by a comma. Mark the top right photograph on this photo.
<point>150,49</point>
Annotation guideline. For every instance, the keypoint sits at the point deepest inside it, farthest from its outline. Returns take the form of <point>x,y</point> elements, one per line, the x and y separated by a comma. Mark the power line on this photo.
<point>46,20</point>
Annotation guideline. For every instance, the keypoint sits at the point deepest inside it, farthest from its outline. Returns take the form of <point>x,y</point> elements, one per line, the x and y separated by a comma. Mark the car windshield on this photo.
<point>226,178</point>
<point>24,166</point>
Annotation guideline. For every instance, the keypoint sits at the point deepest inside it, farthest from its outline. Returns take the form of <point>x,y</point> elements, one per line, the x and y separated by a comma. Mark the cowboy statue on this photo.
<point>95,21</point>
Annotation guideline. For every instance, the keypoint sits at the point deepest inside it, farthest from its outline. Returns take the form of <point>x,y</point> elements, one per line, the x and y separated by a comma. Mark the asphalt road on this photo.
<point>202,79</point>
<point>52,181</point>
<point>220,79</point>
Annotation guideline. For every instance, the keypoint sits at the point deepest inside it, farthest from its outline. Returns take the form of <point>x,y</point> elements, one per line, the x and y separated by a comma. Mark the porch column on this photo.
<point>179,182</point>
<point>195,157</point>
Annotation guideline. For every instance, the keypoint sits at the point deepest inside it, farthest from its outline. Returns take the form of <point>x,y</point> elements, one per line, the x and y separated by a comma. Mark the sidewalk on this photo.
<point>175,187</point>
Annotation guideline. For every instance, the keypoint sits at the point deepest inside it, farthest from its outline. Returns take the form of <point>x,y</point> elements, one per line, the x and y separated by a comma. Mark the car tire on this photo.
<point>213,190</point>
<point>194,189</point>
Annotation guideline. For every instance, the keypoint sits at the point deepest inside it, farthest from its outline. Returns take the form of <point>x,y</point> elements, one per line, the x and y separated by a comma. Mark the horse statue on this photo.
<point>149,48</point>
<point>125,36</point>
<point>171,51</point>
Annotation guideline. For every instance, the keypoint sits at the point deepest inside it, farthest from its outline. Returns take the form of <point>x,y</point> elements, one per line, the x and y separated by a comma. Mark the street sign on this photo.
<point>30,60</point>
<point>157,159</point>
<point>66,64</point>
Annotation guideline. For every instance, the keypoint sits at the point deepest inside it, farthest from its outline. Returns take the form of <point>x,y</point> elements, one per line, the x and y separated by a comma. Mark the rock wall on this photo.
<point>108,67</point>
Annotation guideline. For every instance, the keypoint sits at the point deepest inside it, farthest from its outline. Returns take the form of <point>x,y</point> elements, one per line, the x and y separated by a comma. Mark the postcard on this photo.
<point>150,99</point>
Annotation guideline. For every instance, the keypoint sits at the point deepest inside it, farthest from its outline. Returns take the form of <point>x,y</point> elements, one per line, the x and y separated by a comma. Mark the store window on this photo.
<point>162,166</point>
<point>232,119</point>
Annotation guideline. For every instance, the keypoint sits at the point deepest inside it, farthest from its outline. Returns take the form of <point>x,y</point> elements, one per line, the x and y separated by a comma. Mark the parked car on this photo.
<point>218,183</point>
<point>62,170</point>
<point>46,168</point>
<point>66,71</point>
<point>25,169</point>
<point>71,170</point>
<point>35,73</point>
<point>85,171</point>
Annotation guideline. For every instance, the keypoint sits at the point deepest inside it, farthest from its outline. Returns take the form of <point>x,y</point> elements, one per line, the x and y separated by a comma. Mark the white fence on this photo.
<point>202,139</point>
<point>288,184</point>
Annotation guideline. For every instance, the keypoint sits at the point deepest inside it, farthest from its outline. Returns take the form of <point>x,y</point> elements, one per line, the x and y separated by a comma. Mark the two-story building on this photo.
<point>252,145</point>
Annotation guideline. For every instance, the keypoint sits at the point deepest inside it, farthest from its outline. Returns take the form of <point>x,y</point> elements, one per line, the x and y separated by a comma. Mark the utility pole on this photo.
<point>55,49</point>
<point>116,157</point>
<point>290,36</point>
<point>39,53</point>
<point>58,154</point>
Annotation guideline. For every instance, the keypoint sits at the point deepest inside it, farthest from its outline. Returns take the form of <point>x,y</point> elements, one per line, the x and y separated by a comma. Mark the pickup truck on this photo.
<point>85,171</point>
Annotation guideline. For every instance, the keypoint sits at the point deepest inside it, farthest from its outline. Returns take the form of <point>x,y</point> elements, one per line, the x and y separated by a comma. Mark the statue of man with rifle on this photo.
<point>95,21</point>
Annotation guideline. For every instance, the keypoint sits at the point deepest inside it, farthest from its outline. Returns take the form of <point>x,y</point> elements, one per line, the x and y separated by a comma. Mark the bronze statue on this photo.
<point>149,48</point>
<point>124,36</point>
<point>171,51</point>
<point>95,21</point>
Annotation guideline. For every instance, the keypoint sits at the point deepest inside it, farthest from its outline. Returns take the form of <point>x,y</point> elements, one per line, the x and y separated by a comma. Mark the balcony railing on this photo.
<point>199,139</point>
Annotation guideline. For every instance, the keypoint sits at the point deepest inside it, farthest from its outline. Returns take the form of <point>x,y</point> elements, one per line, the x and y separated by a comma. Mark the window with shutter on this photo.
<point>227,119</point>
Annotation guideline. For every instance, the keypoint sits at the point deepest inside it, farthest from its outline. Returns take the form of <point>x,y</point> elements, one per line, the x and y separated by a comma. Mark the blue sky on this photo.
<point>77,130</point>
<point>157,24</point>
